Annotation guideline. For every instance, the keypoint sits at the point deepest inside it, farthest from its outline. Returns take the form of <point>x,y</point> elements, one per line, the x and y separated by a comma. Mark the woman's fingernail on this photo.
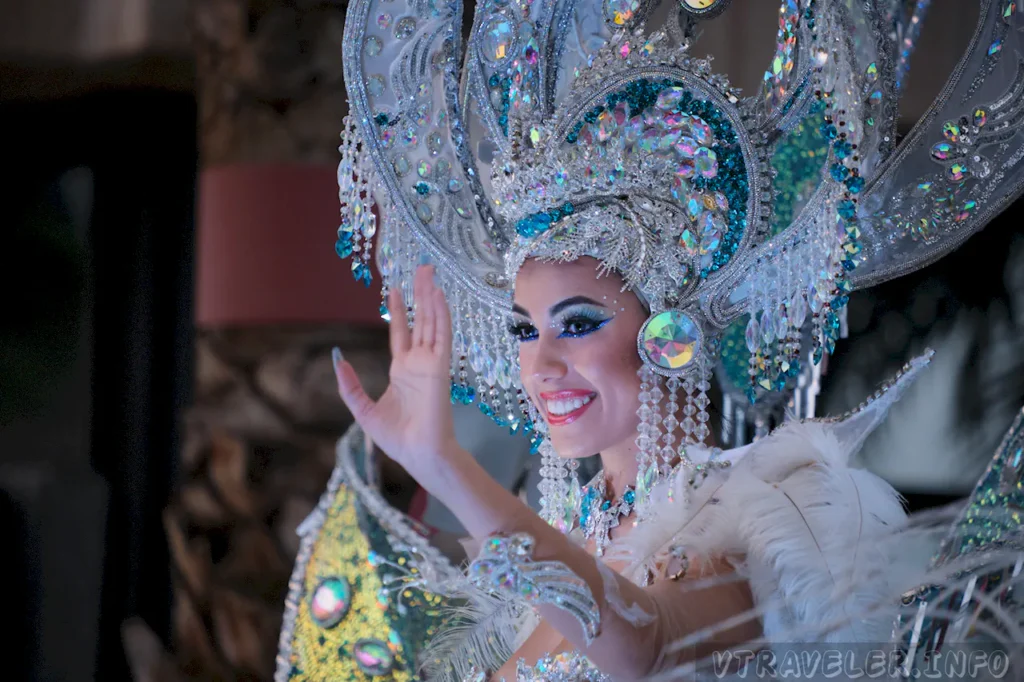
<point>336,357</point>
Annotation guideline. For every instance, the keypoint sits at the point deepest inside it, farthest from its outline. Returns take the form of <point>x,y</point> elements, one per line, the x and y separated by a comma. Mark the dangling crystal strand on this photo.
<point>689,410</point>
<point>571,504</point>
<point>548,486</point>
<point>671,423</point>
<point>701,401</point>
<point>554,487</point>
<point>646,464</point>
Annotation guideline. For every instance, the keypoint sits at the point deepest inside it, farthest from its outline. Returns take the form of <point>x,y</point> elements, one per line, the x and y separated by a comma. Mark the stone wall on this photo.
<point>259,450</point>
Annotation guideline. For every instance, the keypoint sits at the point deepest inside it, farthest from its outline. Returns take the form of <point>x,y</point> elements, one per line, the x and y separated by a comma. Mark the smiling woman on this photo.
<point>606,199</point>
<point>578,361</point>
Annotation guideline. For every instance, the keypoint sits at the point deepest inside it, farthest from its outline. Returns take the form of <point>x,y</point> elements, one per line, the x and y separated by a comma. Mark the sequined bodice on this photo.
<point>570,666</point>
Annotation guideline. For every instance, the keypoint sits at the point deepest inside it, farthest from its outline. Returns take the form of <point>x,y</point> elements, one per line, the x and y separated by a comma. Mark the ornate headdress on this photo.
<point>563,128</point>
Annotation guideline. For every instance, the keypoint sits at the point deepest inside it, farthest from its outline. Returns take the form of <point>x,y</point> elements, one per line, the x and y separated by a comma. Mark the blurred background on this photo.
<point>170,296</point>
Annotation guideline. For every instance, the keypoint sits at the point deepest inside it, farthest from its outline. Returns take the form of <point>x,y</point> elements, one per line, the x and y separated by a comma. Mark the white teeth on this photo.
<point>560,407</point>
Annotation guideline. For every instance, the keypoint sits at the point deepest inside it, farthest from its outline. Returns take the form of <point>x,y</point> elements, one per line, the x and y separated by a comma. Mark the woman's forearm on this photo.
<point>626,647</point>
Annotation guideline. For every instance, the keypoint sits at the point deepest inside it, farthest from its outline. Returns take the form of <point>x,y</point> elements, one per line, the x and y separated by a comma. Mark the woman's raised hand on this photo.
<point>412,421</point>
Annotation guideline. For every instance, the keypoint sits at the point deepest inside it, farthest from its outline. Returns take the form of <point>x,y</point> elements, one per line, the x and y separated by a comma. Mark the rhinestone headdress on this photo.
<point>563,128</point>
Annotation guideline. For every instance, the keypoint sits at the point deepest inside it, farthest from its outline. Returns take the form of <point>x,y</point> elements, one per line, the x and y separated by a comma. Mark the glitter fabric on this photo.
<point>343,621</point>
<point>984,592</point>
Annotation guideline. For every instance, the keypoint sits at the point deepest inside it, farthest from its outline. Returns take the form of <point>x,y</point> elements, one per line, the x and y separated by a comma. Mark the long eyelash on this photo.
<point>596,317</point>
<point>589,313</point>
<point>517,329</point>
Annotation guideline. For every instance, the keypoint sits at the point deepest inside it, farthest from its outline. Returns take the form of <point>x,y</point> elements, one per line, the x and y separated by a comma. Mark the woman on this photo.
<point>603,214</point>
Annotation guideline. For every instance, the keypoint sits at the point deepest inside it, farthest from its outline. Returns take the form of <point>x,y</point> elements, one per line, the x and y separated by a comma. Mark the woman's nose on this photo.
<point>547,362</point>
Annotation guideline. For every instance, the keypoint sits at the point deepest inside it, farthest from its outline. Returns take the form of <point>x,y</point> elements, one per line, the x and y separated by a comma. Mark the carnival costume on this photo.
<point>562,129</point>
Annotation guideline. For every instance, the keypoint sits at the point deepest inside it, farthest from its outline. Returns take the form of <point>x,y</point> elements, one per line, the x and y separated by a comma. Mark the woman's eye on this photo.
<point>523,332</point>
<point>581,326</point>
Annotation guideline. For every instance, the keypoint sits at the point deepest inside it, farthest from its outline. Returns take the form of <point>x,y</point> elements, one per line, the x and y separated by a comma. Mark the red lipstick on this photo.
<point>566,395</point>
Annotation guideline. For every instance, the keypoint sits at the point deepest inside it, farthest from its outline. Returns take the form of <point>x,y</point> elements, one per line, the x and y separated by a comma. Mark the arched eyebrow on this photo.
<point>558,307</point>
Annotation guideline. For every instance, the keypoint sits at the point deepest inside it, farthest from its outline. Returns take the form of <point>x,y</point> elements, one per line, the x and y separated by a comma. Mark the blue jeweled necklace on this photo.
<point>598,515</point>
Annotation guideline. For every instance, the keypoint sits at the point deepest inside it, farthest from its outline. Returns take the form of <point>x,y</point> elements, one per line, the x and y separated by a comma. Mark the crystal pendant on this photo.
<point>670,339</point>
<point>753,334</point>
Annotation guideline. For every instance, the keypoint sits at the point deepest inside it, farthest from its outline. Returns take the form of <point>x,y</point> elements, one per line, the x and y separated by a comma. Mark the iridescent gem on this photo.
<point>951,131</point>
<point>499,33</point>
<point>422,117</point>
<point>375,85</point>
<point>706,162</point>
<point>442,169</point>
<point>373,657</point>
<point>871,75</point>
<point>621,113</point>
<point>423,169</point>
<point>694,207</point>
<point>942,151</point>
<point>372,46</point>
<point>995,47</point>
<point>423,212</point>
<point>686,168</point>
<point>650,139</point>
<point>435,142</point>
<point>669,98</point>
<point>713,226</point>
<point>561,176</point>
<point>605,126</point>
<point>330,602</point>
<point>410,137</point>
<point>405,27</point>
<point>1009,11</point>
<point>401,165</point>
<point>620,12</point>
<point>673,119</point>
<point>634,129</point>
<point>670,339</point>
<point>384,21</point>
<point>384,259</point>
<point>957,172</point>
<point>701,131</point>
<point>980,117</point>
<point>721,201</point>
<point>387,138</point>
<point>454,185</point>
<point>668,140</point>
<point>686,147</point>
<point>710,241</point>
<point>688,243</point>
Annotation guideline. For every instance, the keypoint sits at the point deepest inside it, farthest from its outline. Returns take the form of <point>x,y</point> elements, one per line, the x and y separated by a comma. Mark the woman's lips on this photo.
<point>565,407</point>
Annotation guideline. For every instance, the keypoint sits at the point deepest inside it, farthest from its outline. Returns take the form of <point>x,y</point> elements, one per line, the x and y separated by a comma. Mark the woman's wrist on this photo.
<point>436,467</point>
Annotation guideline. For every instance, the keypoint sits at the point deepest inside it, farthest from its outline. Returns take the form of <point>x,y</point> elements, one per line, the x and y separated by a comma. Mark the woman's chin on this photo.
<point>567,447</point>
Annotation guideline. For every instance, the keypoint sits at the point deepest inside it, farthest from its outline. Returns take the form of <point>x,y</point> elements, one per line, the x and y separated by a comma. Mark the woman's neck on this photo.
<point>620,468</point>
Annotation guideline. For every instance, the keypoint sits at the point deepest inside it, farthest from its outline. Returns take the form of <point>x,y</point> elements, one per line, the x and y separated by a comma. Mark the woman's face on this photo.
<point>577,353</point>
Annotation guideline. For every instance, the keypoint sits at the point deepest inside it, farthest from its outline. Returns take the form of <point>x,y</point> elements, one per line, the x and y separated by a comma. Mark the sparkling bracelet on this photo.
<point>505,565</point>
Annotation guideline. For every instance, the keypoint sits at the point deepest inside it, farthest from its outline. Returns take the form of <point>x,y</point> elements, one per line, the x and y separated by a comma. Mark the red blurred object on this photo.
<point>265,243</point>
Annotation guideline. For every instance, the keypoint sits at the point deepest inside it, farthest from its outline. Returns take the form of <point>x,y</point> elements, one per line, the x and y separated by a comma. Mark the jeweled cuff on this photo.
<point>505,565</point>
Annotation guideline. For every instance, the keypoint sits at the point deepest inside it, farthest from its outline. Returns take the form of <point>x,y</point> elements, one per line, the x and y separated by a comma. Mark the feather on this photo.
<point>480,634</point>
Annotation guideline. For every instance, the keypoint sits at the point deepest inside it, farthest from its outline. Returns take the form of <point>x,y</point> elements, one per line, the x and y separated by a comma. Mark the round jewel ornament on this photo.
<point>670,342</point>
